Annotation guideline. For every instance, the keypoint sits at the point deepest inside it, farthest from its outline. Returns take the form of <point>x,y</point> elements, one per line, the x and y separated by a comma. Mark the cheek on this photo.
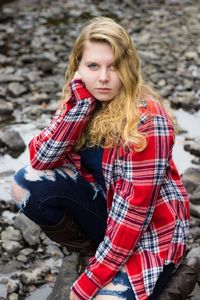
<point>118,83</point>
<point>89,80</point>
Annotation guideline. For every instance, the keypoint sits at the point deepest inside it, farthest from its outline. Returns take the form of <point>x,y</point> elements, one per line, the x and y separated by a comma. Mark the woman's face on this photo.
<point>97,71</point>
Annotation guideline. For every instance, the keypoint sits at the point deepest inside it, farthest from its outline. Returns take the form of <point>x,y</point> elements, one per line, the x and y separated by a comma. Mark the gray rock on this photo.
<point>191,179</point>
<point>13,286</point>
<point>194,222</point>
<point>65,279</point>
<point>11,247</point>
<point>13,140</point>
<point>195,198</point>
<point>16,89</point>
<point>38,98</point>
<point>46,240</point>
<point>13,296</point>
<point>3,91</point>
<point>186,100</point>
<point>193,148</point>
<point>22,258</point>
<point>194,252</point>
<point>47,66</point>
<point>4,78</point>
<point>11,234</point>
<point>5,107</point>
<point>195,210</point>
<point>196,161</point>
<point>8,216</point>
<point>30,231</point>
<point>191,55</point>
<point>45,86</point>
<point>54,250</point>
<point>4,59</point>
<point>32,112</point>
<point>195,231</point>
<point>11,266</point>
<point>26,251</point>
<point>35,275</point>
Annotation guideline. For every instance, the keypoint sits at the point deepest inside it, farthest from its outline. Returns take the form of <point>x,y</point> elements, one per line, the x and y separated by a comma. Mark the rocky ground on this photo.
<point>35,41</point>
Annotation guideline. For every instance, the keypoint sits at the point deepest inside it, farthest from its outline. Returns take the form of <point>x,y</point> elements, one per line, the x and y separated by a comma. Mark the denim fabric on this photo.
<point>120,288</point>
<point>49,194</point>
<point>52,193</point>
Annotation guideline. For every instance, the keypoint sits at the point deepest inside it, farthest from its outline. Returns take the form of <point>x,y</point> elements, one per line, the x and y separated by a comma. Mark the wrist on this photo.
<point>79,90</point>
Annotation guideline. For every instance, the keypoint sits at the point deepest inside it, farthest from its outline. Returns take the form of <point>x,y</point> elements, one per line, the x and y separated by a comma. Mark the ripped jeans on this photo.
<point>46,196</point>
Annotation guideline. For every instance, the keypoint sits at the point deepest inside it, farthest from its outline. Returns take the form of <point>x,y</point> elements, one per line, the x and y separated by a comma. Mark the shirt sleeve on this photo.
<point>49,149</point>
<point>133,203</point>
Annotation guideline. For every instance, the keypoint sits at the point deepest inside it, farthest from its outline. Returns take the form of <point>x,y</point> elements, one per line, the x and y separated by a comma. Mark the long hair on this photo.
<point>115,122</point>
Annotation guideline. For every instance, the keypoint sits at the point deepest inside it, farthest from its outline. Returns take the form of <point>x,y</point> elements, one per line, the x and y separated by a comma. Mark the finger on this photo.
<point>77,75</point>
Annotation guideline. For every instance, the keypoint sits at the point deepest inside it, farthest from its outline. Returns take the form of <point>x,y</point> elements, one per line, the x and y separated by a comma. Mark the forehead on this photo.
<point>98,51</point>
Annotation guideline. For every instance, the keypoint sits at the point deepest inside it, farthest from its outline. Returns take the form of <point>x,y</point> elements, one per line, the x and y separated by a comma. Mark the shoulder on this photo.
<point>151,110</point>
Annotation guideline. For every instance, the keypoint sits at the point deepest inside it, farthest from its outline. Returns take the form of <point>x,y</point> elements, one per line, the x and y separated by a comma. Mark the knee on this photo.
<point>23,181</point>
<point>19,192</point>
<point>71,172</point>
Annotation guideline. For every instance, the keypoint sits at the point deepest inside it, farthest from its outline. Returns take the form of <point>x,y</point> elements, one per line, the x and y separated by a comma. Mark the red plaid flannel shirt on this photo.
<point>148,208</point>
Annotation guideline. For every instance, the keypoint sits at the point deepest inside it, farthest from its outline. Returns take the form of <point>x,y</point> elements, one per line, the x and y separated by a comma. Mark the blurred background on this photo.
<point>35,41</point>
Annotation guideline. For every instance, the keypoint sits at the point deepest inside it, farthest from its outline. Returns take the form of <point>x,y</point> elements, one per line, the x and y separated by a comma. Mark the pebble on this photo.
<point>13,141</point>
<point>5,107</point>
<point>35,276</point>
<point>30,231</point>
<point>13,296</point>
<point>16,89</point>
<point>13,286</point>
<point>11,247</point>
<point>33,62</point>
<point>53,250</point>
<point>11,234</point>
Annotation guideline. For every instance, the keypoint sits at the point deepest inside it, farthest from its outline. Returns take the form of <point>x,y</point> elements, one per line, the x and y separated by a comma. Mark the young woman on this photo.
<point>102,180</point>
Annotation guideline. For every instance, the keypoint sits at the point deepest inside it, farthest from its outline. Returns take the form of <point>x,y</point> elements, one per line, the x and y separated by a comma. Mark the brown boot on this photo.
<point>69,234</point>
<point>83,261</point>
<point>182,282</point>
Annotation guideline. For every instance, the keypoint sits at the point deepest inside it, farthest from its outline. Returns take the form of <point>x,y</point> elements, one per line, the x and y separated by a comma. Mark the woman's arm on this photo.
<point>49,149</point>
<point>132,208</point>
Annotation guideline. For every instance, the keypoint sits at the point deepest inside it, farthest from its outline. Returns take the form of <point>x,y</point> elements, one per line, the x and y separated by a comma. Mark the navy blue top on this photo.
<point>91,159</point>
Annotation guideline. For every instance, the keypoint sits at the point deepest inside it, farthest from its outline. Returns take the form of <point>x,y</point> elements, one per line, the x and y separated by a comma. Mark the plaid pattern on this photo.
<point>148,208</point>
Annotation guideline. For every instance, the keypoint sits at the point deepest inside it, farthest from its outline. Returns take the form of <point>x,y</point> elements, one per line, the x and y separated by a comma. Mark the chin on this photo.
<point>104,99</point>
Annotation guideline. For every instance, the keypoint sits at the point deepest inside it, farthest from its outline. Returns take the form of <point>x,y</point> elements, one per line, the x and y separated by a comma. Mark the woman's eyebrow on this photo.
<point>97,63</point>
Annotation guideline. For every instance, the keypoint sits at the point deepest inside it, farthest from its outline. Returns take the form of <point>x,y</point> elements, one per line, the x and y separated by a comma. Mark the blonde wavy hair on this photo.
<point>116,121</point>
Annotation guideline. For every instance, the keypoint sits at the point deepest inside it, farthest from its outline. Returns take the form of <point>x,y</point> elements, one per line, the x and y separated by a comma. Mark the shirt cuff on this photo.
<point>79,90</point>
<point>85,288</point>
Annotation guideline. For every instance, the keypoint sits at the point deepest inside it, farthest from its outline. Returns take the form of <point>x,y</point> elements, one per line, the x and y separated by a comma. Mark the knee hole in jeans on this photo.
<point>19,194</point>
<point>69,172</point>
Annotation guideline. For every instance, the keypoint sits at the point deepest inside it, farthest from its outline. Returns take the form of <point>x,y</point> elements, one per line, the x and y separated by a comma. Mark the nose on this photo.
<point>104,75</point>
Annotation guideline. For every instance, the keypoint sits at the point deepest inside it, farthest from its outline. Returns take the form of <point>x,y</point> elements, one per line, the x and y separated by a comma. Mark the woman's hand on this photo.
<point>77,75</point>
<point>73,296</point>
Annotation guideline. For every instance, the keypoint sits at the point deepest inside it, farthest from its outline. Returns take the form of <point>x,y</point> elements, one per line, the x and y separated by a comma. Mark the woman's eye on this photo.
<point>92,66</point>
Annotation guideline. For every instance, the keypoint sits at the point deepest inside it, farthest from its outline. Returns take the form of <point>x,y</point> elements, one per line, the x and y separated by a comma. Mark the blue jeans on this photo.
<point>46,196</point>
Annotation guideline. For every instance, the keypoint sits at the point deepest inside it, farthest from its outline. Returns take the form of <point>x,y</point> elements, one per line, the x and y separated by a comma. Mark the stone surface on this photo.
<point>16,89</point>
<point>5,107</point>
<point>35,276</point>
<point>11,234</point>
<point>12,140</point>
<point>33,61</point>
<point>11,247</point>
<point>65,279</point>
<point>30,231</point>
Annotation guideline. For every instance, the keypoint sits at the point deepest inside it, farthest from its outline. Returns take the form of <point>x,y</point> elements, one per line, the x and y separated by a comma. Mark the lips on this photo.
<point>103,89</point>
